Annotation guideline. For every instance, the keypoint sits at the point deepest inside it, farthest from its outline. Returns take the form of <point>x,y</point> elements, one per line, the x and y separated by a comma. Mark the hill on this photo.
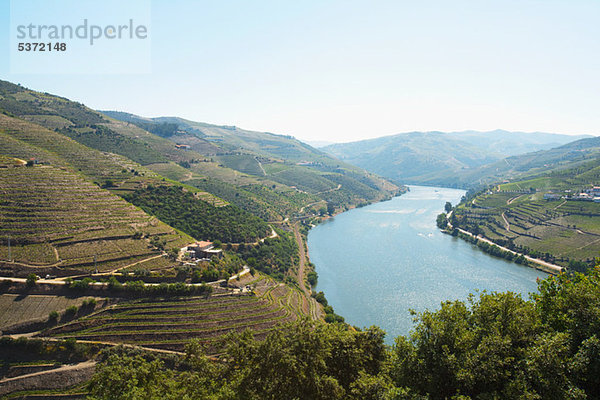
<point>561,157</point>
<point>84,199</point>
<point>271,176</point>
<point>273,161</point>
<point>59,223</point>
<point>543,213</point>
<point>438,158</point>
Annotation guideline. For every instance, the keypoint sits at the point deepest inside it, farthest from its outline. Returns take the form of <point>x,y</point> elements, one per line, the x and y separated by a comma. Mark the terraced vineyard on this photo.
<point>24,140</point>
<point>559,231</point>
<point>16,308</point>
<point>171,323</point>
<point>56,149</point>
<point>55,218</point>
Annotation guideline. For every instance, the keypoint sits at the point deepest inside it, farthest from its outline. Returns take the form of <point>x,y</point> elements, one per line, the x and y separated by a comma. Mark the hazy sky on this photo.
<point>347,70</point>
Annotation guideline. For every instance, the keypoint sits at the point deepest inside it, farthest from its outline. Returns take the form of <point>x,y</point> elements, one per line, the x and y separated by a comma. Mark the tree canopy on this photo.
<point>492,346</point>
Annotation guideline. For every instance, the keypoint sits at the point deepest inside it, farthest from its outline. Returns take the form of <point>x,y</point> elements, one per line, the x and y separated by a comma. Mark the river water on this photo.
<point>377,262</point>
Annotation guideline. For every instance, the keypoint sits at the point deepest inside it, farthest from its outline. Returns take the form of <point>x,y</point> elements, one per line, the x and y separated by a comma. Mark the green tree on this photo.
<point>472,349</point>
<point>330,208</point>
<point>441,221</point>
<point>31,280</point>
<point>448,207</point>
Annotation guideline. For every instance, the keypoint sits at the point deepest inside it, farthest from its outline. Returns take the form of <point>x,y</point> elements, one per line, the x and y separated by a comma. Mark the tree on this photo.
<point>448,207</point>
<point>476,349</point>
<point>330,208</point>
<point>31,280</point>
<point>312,278</point>
<point>53,317</point>
<point>442,221</point>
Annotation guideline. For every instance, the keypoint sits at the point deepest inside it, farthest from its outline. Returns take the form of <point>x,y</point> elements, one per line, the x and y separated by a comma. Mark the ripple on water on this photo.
<point>377,262</point>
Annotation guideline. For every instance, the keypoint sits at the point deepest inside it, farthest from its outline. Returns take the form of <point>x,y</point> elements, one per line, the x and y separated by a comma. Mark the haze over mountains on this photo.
<point>438,158</point>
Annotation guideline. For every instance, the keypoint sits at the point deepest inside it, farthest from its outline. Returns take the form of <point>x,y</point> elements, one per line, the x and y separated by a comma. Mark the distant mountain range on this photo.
<point>444,158</point>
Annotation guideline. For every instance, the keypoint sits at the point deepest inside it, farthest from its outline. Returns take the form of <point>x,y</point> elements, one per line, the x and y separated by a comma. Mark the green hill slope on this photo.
<point>566,156</point>
<point>271,176</point>
<point>273,161</point>
<point>541,213</point>
<point>438,158</point>
<point>58,222</point>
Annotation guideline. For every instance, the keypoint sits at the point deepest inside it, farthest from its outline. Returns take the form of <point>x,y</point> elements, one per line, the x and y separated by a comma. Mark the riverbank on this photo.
<point>305,267</point>
<point>540,265</point>
<point>377,262</point>
<point>496,249</point>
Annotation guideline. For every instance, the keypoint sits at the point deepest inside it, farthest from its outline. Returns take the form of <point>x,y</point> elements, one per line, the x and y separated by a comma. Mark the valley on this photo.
<point>180,243</point>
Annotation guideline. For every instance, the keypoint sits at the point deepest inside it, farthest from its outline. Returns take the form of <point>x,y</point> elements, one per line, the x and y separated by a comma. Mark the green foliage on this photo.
<point>500,346</point>
<point>312,278</point>
<point>88,304</point>
<point>320,297</point>
<point>274,256</point>
<point>31,280</point>
<point>442,221</point>
<point>494,346</point>
<point>80,285</point>
<point>70,312</point>
<point>114,284</point>
<point>129,377</point>
<point>306,360</point>
<point>53,317</point>
<point>448,207</point>
<point>199,219</point>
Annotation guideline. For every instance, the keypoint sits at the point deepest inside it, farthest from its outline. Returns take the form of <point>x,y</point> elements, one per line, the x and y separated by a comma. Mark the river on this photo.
<point>377,262</point>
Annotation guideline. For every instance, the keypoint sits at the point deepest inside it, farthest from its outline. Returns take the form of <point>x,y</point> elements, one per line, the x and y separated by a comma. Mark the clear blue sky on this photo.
<point>347,70</point>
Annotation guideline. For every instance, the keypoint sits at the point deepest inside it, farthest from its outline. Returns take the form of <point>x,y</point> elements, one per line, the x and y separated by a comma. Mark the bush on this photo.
<point>114,284</point>
<point>88,304</point>
<point>31,280</point>
<point>312,278</point>
<point>71,311</point>
<point>53,317</point>
<point>81,285</point>
<point>320,297</point>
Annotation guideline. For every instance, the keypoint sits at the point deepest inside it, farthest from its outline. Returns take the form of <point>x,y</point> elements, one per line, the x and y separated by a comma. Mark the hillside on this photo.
<point>245,158</point>
<point>566,156</point>
<point>59,222</point>
<point>543,214</point>
<point>84,201</point>
<point>271,176</point>
<point>438,158</point>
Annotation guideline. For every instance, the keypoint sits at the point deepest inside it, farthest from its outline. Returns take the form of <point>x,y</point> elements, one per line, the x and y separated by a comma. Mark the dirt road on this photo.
<point>301,267</point>
<point>552,267</point>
